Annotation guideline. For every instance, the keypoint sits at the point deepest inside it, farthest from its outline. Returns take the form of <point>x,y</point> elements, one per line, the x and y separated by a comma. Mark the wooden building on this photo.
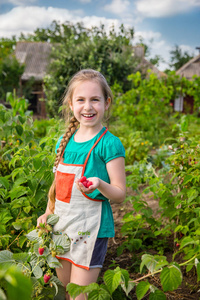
<point>144,65</point>
<point>185,103</point>
<point>191,68</point>
<point>36,57</point>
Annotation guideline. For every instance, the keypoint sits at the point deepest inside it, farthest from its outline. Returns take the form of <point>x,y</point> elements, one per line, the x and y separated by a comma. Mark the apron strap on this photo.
<point>86,160</point>
<point>85,163</point>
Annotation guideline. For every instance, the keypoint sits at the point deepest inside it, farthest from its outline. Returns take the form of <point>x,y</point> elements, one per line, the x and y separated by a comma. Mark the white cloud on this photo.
<point>162,8</point>
<point>117,7</point>
<point>147,35</point>
<point>16,21</point>
<point>187,48</point>
<point>156,44</point>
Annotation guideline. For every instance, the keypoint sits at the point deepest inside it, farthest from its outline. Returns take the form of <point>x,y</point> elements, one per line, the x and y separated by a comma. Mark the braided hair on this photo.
<point>81,76</point>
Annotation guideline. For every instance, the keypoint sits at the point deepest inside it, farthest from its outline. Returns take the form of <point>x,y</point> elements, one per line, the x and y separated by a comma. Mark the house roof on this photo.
<point>144,65</point>
<point>35,57</point>
<point>191,68</point>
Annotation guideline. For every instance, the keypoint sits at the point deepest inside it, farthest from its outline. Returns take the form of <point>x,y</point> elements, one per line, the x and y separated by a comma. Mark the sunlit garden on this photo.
<point>159,244</point>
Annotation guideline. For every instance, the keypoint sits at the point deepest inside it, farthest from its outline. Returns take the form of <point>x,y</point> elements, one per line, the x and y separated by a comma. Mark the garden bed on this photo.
<point>189,288</point>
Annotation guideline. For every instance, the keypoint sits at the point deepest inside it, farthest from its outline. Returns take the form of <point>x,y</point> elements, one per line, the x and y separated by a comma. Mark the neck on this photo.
<point>86,134</point>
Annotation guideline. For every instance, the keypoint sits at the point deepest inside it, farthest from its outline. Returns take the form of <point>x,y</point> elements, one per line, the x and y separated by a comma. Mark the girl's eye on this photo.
<point>95,99</point>
<point>80,100</point>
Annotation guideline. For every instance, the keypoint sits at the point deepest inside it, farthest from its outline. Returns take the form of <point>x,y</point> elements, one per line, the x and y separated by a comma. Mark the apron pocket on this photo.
<point>64,185</point>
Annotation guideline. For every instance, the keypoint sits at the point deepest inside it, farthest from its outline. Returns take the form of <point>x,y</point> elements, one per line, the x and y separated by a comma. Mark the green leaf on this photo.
<point>20,257</point>
<point>4,182</point>
<point>171,277</point>
<point>100,294</point>
<point>18,192</point>
<point>5,217</point>
<point>55,286</point>
<point>61,292</point>
<point>128,288</point>
<point>187,179</point>
<point>33,236</point>
<point>187,241</point>
<point>6,257</point>
<point>52,219</point>
<point>112,279</point>
<point>2,229</point>
<point>37,271</point>
<point>142,289</point>
<point>192,194</point>
<point>21,119</point>
<point>19,182</point>
<point>74,289</point>
<point>157,295</point>
<point>197,264</point>
<point>53,262</point>
<point>17,225</point>
<point>153,263</point>
<point>19,129</point>
<point>62,240</point>
<point>92,286</point>
<point>125,276</point>
<point>2,295</point>
<point>37,163</point>
<point>18,285</point>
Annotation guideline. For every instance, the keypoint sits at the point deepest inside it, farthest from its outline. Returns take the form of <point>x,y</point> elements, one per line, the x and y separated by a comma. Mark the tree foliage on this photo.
<point>10,69</point>
<point>178,58</point>
<point>76,47</point>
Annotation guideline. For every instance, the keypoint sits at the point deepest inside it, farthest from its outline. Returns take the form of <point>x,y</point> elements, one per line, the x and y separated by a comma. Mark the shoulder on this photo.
<point>111,147</point>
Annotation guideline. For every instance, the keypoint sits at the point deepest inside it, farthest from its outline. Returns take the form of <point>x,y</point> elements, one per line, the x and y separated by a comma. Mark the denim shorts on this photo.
<point>99,253</point>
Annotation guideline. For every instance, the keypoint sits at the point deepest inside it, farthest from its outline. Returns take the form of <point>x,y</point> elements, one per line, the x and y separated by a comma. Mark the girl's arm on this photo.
<point>43,218</point>
<point>116,189</point>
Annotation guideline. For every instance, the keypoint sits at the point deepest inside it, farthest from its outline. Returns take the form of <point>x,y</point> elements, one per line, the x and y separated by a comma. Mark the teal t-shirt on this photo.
<point>108,148</point>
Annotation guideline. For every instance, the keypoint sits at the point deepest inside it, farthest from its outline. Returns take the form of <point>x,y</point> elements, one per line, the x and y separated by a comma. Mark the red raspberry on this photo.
<point>46,278</point>
<point>89,183</point>
<point>83,178</point>
<point>85,183</point>
<point>41,250</point>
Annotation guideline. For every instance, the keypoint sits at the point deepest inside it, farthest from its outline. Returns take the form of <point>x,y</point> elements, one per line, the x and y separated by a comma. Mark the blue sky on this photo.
<point>161,23</point>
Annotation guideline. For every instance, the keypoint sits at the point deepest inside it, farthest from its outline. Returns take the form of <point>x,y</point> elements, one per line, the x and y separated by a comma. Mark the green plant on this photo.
<point>136,146</point>
<point>27,174</point>
<point>13,284</point>
<point>36,266</point>
<point>118,285</point>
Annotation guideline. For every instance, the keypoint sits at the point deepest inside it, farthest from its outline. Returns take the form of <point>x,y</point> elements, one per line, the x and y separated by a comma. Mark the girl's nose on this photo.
<point>87,105</point>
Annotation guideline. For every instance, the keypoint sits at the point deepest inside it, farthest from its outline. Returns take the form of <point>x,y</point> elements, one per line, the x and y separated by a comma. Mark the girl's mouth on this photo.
<point>88,116</point>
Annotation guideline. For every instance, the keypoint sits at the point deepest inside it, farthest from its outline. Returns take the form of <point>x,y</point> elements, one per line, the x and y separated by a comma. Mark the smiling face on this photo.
<point>88,104</point>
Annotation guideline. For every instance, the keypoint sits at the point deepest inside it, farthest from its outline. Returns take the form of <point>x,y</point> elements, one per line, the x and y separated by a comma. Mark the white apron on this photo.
<point>79,215</point>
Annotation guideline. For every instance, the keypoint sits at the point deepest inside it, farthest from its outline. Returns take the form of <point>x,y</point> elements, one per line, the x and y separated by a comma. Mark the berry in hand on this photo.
<point>89,183</point>
<point>85,182</point>
<point>83,178</point>
<point>41,250</point>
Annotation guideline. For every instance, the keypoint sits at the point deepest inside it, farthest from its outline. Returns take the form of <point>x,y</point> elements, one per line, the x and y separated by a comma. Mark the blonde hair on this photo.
<point>81,76</point>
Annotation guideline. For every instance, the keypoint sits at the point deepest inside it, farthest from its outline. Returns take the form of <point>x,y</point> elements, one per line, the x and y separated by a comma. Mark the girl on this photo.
<point>86,149</point>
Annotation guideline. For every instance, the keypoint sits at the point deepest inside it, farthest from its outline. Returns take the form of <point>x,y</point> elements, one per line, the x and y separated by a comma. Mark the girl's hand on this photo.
<point>95,184</point>
<point>42,219</point>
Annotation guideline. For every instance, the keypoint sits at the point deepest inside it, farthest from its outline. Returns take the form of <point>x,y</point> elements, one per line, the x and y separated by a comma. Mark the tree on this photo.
<point>179,58</point>
<point>76,47</point>
<point>10,69</point>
